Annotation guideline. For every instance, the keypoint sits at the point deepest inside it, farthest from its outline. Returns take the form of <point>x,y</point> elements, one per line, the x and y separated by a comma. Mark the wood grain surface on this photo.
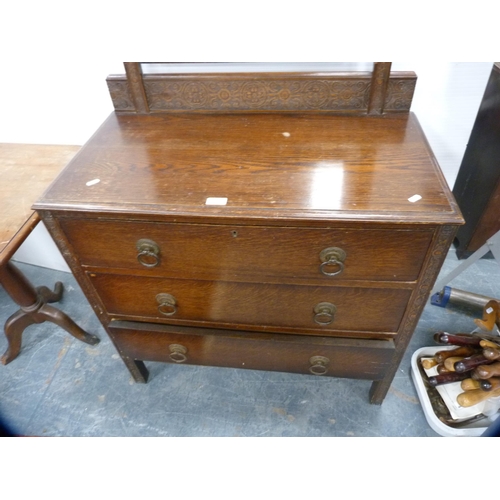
<point>267,307</point>
<point>267,166</point>
<point>26,170</point>
<point>354,358</point>
<point>255,253</point>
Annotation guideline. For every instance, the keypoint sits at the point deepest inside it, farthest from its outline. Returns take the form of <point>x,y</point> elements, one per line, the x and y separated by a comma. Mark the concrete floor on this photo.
<point>59,386</point>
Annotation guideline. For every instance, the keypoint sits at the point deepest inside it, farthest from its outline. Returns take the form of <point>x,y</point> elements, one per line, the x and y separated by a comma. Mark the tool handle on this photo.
<point>469,363</point>
<point>458,339</point>
<point>471,398</point>
<point>488,371</point>
<point>446,378</point>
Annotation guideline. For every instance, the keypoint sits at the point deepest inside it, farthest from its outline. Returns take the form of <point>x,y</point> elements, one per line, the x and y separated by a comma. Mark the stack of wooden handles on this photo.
<point>474,362</point>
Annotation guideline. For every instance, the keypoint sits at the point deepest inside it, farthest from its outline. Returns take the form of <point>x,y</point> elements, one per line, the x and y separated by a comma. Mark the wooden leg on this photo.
<point>14,328</point>
<point>137,369</point>
<point>34,309</point>
<point>378,391</point>
<point>49,313</point>
<point>51,296</point>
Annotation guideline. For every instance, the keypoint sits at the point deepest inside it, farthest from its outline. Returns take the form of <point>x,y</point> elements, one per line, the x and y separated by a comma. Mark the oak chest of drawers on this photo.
<point>299,242</point>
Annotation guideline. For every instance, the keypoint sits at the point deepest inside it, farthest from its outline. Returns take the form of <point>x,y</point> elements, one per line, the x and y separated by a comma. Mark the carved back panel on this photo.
<point>376,92</point>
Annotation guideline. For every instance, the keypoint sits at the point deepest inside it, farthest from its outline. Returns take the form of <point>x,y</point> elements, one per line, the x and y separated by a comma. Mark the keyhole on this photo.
<point>234,234</point>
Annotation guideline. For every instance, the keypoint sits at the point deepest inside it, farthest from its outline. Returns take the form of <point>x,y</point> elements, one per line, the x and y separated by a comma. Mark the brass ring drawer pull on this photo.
<point>167,304</point>
<point>319,365</point>
<point>177,353</point>
<point>329,257</point>
<point>148,253</point>
<point>324,313</point>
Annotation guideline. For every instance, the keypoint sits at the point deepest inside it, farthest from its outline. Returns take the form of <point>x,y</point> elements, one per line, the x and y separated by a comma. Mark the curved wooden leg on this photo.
<point>48,295</point>
<point>34,309</point>
<point>14,328</point>
<point>49,313</point>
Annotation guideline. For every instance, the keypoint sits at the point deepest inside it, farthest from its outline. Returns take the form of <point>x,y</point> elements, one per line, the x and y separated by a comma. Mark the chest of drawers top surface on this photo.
<point>269,166</point>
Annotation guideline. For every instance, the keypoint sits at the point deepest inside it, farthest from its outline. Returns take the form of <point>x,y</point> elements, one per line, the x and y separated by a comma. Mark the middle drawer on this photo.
<point>269,307</point>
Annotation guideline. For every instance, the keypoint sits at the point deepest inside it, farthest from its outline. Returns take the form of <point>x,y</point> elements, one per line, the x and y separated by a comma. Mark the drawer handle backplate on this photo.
<point>324,313</point>
<point>148,253</point>
<point>167,304</point>
<point>332,256</point>
<point>319,365</point>
<point>177,353</point>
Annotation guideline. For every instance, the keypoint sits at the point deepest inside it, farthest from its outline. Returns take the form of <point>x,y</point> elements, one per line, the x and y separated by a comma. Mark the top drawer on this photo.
<point>250,253</point>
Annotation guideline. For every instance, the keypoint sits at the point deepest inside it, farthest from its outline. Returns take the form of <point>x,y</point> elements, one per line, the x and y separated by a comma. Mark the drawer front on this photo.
<point>366,359</point>
<point>250,253</point>
<point>252,305</point>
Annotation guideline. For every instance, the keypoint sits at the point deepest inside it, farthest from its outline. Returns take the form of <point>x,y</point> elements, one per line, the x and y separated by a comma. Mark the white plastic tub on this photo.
<point>448,392</point>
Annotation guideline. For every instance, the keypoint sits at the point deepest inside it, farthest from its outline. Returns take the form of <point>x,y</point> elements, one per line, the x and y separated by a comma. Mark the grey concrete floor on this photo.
<point>59,386</point>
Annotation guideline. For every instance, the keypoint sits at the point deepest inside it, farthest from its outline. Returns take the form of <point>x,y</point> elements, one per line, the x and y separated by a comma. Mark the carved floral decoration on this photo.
<point>341,94</point>
<point>257,94</point>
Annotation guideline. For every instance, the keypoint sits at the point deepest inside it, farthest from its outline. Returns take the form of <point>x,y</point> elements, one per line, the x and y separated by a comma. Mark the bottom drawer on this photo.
<point>350,358</point>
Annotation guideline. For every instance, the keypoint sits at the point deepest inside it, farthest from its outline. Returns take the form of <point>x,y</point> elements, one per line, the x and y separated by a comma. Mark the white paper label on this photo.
<point>489,310</point>
<point>92,182</point>
<point>414,198</point>
<point>216,201</point>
